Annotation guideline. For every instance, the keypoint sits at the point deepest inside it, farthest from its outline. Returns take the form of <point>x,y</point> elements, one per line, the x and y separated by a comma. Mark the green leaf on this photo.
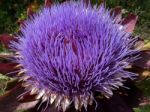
<point>3,83</point>
<point>142,109</point>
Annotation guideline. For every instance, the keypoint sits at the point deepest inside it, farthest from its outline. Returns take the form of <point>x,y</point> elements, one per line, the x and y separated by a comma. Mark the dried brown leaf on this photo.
<point>5,39</point>
<point>48,3</point>
<point>7,67</point>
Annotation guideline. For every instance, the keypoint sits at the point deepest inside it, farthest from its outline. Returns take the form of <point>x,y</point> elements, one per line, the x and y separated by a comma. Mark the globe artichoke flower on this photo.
<point>70,54</point>
<point>69,51</point>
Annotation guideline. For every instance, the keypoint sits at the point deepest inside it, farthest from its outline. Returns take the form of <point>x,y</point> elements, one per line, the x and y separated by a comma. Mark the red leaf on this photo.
<point>87,2</point>
<point>7,67</point>
<point>116,12</point>
<point>9,101</point>
<point>144,61</point>
<point>47,108</point>
<point>51,108</point>
<point>27,98</point>
<point>27,106</point>
<point>48,3</point>
<point>5,39</point>
<point>129,22</point>
<point>30,11</point>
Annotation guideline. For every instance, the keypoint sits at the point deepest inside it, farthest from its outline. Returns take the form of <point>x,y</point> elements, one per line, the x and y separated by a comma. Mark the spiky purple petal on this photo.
<point>72,50</point>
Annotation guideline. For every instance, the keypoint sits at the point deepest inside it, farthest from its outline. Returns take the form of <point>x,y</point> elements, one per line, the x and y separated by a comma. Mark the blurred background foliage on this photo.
<point>10,12</point>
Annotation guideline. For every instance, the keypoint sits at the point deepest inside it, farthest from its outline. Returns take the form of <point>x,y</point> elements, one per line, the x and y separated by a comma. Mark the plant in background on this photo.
<point>73,56</point>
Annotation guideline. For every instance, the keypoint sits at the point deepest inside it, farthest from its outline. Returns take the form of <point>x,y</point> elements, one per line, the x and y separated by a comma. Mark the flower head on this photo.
<point>70,51</point>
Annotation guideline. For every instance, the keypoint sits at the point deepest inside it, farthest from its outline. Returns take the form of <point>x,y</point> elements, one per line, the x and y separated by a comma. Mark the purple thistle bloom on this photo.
<point>70,51</point>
